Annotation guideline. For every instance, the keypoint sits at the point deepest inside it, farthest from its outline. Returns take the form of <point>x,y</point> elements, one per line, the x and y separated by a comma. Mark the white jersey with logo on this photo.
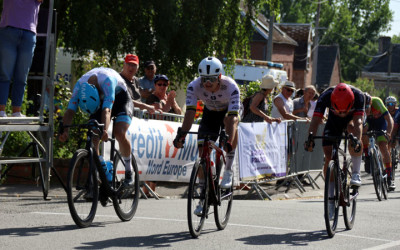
<point>226,98</point>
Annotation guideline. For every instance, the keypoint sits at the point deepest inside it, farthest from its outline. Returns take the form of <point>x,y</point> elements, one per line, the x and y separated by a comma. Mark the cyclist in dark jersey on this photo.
<point>346,110</point>
<point>391,103</point>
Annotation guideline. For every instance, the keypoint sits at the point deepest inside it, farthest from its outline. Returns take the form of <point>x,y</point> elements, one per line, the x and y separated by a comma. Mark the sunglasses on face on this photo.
<point>289,90</point>
<point>162,84</point>
<point>391,104</point>
<point>204,79</point>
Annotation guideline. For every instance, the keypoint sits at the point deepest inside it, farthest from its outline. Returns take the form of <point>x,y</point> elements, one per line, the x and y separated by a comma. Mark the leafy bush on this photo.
<point>368,86</point>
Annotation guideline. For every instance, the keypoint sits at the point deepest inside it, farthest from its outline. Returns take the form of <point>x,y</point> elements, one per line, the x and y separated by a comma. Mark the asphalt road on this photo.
<point>28,222</point>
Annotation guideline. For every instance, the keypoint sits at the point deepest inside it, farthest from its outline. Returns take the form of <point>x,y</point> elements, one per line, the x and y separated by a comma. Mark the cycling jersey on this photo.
<point>324,101</point>
<point>110,82</point>
<point>226,98</point>
<point>378,109</point>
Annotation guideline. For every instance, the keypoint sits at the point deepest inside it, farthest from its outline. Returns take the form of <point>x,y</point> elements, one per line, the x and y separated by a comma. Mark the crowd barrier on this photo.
<point>265,152</point>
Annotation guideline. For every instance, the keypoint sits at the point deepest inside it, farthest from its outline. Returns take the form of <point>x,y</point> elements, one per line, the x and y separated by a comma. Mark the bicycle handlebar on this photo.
<point>223,137</point>
<point>92,124</point>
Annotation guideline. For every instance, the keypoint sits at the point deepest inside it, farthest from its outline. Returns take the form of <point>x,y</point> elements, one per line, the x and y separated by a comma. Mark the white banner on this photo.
<point>262,150</point>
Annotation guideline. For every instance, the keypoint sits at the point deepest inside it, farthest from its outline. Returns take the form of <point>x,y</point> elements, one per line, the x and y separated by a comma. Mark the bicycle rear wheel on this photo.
<point>222,211</point>
<point>198,192</point>
<point>126,201</point>
<point>349,211</point>
<point>383,177</point>
<point>331,196</point>
<point>376,174</point>
<point>82,189</point>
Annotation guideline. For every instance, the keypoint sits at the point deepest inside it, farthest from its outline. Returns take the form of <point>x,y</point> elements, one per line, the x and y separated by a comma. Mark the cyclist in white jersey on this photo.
<point>221,97</point>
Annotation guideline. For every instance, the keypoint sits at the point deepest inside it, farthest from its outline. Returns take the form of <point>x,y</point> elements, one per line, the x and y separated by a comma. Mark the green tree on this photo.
<point>354,25</point>
<point>396,39</point>
<point>175,34</point>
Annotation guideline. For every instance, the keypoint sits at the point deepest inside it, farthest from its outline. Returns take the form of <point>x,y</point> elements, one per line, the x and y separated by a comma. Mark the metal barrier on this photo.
<point>144,114</point>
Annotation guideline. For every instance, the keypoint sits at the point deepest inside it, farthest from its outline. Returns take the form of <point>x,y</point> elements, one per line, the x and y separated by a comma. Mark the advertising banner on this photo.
<point>262,150</point>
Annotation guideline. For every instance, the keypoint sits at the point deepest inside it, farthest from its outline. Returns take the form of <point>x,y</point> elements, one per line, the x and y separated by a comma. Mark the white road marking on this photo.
<point>389,244</point>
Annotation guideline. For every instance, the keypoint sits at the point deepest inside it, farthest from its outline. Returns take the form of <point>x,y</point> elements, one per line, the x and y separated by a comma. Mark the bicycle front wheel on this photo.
<point>126,201</point>
<point>349,209</point>
<point>82,189</point>
<point>384,176</point>
<point>376,174</point>
<point>222,211</point>
<point>197,195</point>
<point>331,198</point>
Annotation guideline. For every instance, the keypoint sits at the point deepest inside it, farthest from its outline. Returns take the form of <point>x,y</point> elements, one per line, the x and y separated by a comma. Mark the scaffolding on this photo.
<point>39,128</point>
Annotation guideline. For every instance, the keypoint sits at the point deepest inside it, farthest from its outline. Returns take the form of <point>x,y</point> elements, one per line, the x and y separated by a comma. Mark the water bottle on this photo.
<point>107,167</point>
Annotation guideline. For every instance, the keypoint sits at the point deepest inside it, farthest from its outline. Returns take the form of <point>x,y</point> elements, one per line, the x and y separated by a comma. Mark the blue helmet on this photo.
<point>88,98</point>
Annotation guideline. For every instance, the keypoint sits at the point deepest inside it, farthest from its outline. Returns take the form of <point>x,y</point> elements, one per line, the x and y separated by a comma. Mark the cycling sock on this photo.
<point>128,166</point>
<point>229,159</point>
<point>356,164</point>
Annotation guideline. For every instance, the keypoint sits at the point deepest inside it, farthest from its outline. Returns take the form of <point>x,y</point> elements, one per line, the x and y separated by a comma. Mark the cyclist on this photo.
<point>378,118</point>
<point>102,93</point>
<point>346,110</point>
<point>391,103</point>
<point>394,140</point>
<point>221,97</point>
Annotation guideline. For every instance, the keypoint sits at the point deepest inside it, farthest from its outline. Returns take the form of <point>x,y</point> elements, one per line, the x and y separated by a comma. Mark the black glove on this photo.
<point>309,144</point>
<point>180,138</point>
<point>356,144</point>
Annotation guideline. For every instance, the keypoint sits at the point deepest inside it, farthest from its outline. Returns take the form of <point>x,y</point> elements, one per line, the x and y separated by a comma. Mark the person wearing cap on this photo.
<point>146,82</point>
<point>282,106</point>
<point>303,104</point>
<point>258,103</point>
<point>162,100</point>
<point>129,70</point>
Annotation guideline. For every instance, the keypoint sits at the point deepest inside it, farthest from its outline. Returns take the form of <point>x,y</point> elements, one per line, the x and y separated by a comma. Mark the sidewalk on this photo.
<point>168,190</point>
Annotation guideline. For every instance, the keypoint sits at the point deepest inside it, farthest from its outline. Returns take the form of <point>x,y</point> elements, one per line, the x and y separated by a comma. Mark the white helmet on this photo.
<point>390,99</point>
<point>210,66</point>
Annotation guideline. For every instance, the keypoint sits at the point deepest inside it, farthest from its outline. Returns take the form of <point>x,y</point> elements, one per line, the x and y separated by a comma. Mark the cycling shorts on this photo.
<point>377,124</point>
<point>122,108</point>
<point>211,122</point>
<point>335,126</point>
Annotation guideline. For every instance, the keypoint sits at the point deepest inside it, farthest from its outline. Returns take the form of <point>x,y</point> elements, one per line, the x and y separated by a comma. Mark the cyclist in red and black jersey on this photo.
<point>346,110</point>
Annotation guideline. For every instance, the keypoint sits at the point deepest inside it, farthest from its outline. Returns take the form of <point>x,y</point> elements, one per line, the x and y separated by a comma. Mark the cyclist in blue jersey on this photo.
<point>391,105</point>
<point>102,93</point>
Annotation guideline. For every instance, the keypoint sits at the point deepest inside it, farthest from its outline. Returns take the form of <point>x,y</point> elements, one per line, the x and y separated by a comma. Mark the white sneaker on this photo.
<point>18,114</point>
<point>227,179</point>
<point>199,209</point>
<point>355,180</point>
<point>331,208</point>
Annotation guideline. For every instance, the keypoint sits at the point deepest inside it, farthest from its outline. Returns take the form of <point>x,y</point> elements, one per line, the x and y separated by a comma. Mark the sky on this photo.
<point>395,30</point>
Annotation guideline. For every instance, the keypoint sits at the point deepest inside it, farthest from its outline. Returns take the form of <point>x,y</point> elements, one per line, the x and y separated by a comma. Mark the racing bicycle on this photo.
<point>378,172</point>
<point>394,153</point>
<point>207,190</point>
<point>87,182</point>
<point>337,185</point>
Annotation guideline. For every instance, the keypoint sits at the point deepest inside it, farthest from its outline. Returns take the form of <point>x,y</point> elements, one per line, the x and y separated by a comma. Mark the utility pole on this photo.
<point>390,50</point>
<point>270,36</point>
<point>315,52</point>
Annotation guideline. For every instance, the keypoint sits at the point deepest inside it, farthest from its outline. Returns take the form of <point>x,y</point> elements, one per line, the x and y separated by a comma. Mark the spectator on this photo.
<point>313,105</point>
<point>160,99</point>
<point>17,44</point>
<point>258,103</point>
<point>146,82</point>
<point>282,106</point>
<point>129,70</point>
<point>303,104</point>
<point>165,102</point>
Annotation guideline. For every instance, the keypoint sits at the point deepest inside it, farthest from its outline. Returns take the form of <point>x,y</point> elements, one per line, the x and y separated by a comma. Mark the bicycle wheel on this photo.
<point>349,210</point>
<point>126,201</point>
<point>383,177</point>
<point>222,211</point>
<point>331,184</point>
<point>82,189</point>
<point>376,174</point>
<point>198,192</point>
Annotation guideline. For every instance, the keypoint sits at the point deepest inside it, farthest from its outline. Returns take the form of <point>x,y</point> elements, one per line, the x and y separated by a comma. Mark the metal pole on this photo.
<point>270,37</point>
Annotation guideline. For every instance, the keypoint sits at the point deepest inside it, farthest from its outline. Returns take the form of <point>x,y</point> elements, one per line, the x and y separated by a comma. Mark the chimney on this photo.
<point>384,43</point>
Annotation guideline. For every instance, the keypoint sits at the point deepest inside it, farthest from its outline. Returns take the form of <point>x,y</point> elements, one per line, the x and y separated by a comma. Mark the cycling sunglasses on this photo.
<point>204,79</point>
<point>162,84</point>
<point>391,104</point>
